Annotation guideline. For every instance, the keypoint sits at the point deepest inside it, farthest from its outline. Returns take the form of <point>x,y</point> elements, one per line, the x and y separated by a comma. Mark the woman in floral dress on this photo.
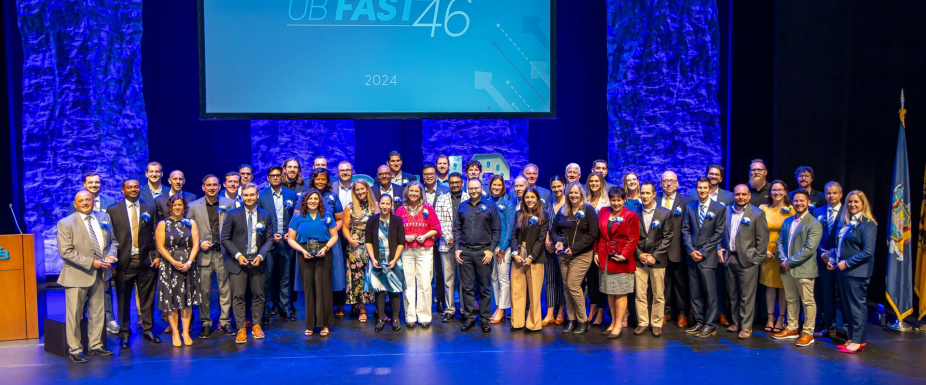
<point>361,207</point>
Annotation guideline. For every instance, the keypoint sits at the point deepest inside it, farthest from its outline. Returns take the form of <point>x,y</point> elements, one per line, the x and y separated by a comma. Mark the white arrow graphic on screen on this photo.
<point>484,82</point>
<point>541,70</point>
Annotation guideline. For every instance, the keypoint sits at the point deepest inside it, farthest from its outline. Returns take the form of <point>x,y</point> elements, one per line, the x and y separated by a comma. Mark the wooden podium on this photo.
<point>22,286</point>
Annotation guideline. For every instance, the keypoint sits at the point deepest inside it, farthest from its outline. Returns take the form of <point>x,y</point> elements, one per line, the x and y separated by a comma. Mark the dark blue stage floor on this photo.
<point>354,353</point>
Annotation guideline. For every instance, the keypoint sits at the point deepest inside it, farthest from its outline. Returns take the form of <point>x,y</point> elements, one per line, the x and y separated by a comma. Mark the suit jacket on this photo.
<point>235,237</point>
<point>704,238</point>
<point>161,202</point>
<point>546,199</point>
<point>751,239</point>
<point>145,191</point>
<point>122,231</point>
<point>858,249</point>
<point>829,239</point>
<point>265,201</point>
<point>676,251</point>
<point>397,192</point>
<point>237,201</point>
<point>199,213</point>
<point>724,197</point>
<point>621,239</point>
<point>533,237</point>
<point>800,253</point>
<point>105,202</point>
<point>817,199</point>
<point>76,250</point>
<point>408,177</point>
<point>657,240</point>
<point>441,190</point>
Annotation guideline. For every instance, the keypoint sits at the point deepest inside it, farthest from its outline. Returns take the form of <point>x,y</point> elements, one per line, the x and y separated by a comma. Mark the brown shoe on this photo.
<point>786,335</point>
<point>682,321</point>
<point>745,334</point>
<point>258,333</point>
<point>723,320</point>
<point>657,332</point>
<point>665,320</point>
<point>733,328</point>
<point>242,336</point>
<point>806,339</point>
<point>639,330</point>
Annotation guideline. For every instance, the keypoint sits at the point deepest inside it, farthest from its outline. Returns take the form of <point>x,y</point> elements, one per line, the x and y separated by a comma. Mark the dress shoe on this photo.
<point>139,325</point>
<point>657,331</point>
<point>639,330</point>
<point>124,342</point>
<point>227,330</point>
<point>274,311</point>
<point>694,329</point>
<point>570,326</point>
<point>733,328</point>
<point>682,321</point>
<point>529,331</point>
<point>265,321</point>
<point>410,325</point>
<point>286,317</point>
<point>582,328</point>
<point>425,325</point>
<point>804,340</point>
<point>486,328</point>
<point>150,337</point>
<point>257,332</point>
<point>723,320</point>
<point>79,357</point>
<point>100,352</point>
<point>468,325</point>
<point>292,311</point>
<point>514,329</point>
<point>242,336</point>
<point>112,327</point>
<point>745,334</point>
<point>861,348</point>
<point>205,333</point>
<point>446,317</point>
<point>786,335</point>
<point>706,331</point>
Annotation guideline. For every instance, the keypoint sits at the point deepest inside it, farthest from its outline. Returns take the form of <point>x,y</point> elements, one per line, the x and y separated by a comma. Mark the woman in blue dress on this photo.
<point>631,186</point>
<point>321,181</point>
<point>385,240</point>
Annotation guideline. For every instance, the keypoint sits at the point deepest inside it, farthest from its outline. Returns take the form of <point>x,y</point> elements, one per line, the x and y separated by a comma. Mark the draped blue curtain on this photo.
<point>83,108</point>
<point>663,74</point>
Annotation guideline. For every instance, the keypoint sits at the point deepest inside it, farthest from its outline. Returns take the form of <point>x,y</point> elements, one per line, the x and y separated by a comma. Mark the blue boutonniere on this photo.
<point>397,201</point>
<point>678,211</point>
<point>501,207</point>
<point>327,220</point>
<point>103,211</point>
<point>330,198</point>
<point>259,226</point>
<point>710,215</point>
<point>404,181</point>
<point>785,210</point>
<point>580,214</point>
<point>543,201</point>
<point>811,207</point>
<point>424,213</point>
<point>186,222</point>
<point>619,220</point>
<point>288,204</point>
<point>221,209</point>
<point>534,221</point>
<point>145,217</point>
<point>105,225</point>
<point>481,208</point>
<point>746,221</point>
<point>656,224</point>
<point>821,219</point>
<point>299,194</point>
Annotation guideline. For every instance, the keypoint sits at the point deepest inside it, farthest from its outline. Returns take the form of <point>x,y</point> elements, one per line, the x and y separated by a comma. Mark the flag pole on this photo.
<point>899,325</point>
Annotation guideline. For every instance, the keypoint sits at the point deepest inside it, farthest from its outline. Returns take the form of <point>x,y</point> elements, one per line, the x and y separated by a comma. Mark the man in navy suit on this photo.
<point>280,203</point>
<point>153,188</point>
<point>384,185</point>
<point>395,167</point>
<point>531,172</point>
<point>702,231</point>
<point>825,285</point>
<point>247,236</point>
<point>724,197</point>
<point>676,287</point>
<point>230,189</point>
<point>176,180</point>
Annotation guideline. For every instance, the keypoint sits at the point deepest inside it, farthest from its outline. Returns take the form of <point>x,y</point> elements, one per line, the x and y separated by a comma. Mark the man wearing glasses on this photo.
<point>280,203</point>
<point>384,185</point>
<point>432,191</point>
<point>676,285</point>
<point>758,184</point>
<point>345,178</point>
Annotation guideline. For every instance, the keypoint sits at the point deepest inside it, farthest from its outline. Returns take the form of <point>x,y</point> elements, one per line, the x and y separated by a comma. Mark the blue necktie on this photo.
<point>97,251</point>
<point>701,213</point>
<point>250,229</point>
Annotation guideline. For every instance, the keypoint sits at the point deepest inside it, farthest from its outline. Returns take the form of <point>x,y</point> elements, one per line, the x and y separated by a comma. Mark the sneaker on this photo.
<point>804,340</point>
<point>242,336</point>
<point>112,327</point>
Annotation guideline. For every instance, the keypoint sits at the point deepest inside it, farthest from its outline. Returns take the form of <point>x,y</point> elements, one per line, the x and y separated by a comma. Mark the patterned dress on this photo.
<point>179,290</point>
<point>358,258</point>
<point>385,279</point>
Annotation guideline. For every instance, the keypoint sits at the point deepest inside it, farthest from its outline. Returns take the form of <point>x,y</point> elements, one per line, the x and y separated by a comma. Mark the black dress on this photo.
<point>179,290</point>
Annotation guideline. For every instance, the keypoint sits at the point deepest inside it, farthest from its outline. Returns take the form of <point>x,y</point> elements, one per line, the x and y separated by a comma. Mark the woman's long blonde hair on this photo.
<point>371,202</point>
<point>866,208</point>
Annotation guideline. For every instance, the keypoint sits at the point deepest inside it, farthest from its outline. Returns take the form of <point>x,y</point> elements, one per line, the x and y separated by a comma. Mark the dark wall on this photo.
<point>11,170</point>
<point>840,68</point>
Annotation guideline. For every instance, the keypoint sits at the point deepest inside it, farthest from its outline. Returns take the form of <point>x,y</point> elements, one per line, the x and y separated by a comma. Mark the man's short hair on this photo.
<point>205,178</point>
<point>427,166</point>
<point>801,192</point>
<point>249,185</point>
<point>651,184</point>
<point>232,173</point>
<point>715,165</point>
<point>832,184</point>
<point>801,169</point>
<point>575,166</point>
<point>596,161</point>
<point>455,175</point>
<point>154,164</point>
<point>529,165</point>
<point>247,166</point>
<point>274,168</point>
<point>703,180</point>
<point>442,156</point>
<point>473,163</point>
<point>393,153</point>
<point>89,174</point>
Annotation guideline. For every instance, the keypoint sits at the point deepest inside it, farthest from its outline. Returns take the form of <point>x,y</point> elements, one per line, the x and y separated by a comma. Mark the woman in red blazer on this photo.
<point>618,235</point>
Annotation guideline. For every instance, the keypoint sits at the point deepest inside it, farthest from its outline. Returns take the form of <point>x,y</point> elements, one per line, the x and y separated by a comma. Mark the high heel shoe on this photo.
<point>395,326</point>
<point>612,336</point>
<point>176,341</point>
<point>380,325</point>
<point>187,340</point>
<point>861,348</point>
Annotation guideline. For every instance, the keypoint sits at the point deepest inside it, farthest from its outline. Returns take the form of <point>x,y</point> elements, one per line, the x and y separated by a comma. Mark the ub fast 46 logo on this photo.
<point>382,13</point>
<point>4,254</point>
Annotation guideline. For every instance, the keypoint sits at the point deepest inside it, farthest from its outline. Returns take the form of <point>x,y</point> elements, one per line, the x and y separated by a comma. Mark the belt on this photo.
<point>474,247</point>
<point>136,257</point>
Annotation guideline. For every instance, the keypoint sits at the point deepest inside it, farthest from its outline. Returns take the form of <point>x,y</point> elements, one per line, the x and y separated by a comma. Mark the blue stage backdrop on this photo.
<point>82,104</point>
<point>664,65</point>
<point>275,141</point>
<point>467,137</point>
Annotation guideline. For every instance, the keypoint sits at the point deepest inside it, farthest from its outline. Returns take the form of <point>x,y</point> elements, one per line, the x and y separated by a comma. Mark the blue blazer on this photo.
<point>145,191</point>
<point>858,250</point>
<point>704,238</point>
<point>161,203</point>
<point>105,202</point>
<point>724,197</point>
<point>238,201</point>
<point>265,201</point>
<point>235,237</point>
<point>829,239</point>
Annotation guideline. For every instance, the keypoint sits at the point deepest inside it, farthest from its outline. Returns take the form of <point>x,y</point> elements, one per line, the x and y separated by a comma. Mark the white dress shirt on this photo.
<point>95,225</point>
<point>735,225</point>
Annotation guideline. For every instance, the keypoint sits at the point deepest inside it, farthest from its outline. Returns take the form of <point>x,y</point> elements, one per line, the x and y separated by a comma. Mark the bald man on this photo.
<point>384,185</point>
<point>176,180</point>
<point>676,285</point>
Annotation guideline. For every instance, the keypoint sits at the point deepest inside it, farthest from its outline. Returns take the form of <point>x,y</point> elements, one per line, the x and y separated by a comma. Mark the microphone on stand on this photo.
<point>16,221</point>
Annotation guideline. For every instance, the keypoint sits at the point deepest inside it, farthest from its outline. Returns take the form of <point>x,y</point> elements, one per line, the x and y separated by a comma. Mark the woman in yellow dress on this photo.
<point>777,208</point>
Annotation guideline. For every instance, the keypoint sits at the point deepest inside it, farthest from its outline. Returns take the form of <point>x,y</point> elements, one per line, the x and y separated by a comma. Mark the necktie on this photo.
<point>97,251</point>
<point>134,216</point>
<point>250,229</point>
<point>667,203</point>
<point>701,213</point>
<point>830,217</point>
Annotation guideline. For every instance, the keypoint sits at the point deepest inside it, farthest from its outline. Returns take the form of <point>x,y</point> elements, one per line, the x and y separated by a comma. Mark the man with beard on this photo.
<point>759,187</point>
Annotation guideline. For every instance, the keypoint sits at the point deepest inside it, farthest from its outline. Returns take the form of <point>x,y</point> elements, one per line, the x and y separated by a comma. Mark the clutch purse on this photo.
<point>313,247</point>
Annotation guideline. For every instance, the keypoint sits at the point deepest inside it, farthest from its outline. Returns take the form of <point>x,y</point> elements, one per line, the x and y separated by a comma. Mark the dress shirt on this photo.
<point>430,196</point>
<point>344,194</point>
<point>237,199</point>
<point>857,218</point>
<point>668,201</point>
<point>96,203</point>
<point>445,182</point>
<point>399,179</point>
<point>129,207</point>
<point>383,191</point>
<point>735,225</point>
<point>95,227</point>
<point>156,193</point>
<point>831,213</point>
<point>791,230</point>
<point>278,208</point>
<point>648,217</point>
<point>713,195</point>
<point>478,228</point>
<point>212,212</point>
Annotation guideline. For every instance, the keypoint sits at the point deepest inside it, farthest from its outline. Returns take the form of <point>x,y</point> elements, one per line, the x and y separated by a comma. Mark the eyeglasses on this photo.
<point>274,176</point>
<point>429,174</point>
<point>669,181</point>
<point>756,170</point>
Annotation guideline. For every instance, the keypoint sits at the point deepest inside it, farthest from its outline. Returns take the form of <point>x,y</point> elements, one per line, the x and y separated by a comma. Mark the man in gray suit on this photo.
<point>209,213</point>
<point>797,250</point>
<point>88,248</point>
<point>744,245</point>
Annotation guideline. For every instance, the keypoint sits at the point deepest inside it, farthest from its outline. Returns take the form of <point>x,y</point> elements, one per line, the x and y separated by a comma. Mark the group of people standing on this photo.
<point>348,242</point>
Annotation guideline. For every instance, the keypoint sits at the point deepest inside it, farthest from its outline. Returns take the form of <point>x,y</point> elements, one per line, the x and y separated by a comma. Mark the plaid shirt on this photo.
<point>444,208</point>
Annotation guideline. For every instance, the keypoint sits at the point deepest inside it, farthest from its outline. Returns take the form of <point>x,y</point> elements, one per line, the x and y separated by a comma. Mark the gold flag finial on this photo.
<point>903,112</point>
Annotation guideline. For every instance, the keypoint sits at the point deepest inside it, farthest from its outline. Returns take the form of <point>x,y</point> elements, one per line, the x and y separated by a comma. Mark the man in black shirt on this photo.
<point>759,187</point>
<point>476,231</point>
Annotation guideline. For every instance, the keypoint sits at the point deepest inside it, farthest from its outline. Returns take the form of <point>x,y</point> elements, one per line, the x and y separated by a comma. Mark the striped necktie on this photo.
<point>701,214</point>
<point>250,230</point>
<point>97,251</point>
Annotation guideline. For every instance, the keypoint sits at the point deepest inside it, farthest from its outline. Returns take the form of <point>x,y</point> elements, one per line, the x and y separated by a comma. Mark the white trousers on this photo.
<point>418,265</point>
<point>451,269</point>
<point>501,283</point>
